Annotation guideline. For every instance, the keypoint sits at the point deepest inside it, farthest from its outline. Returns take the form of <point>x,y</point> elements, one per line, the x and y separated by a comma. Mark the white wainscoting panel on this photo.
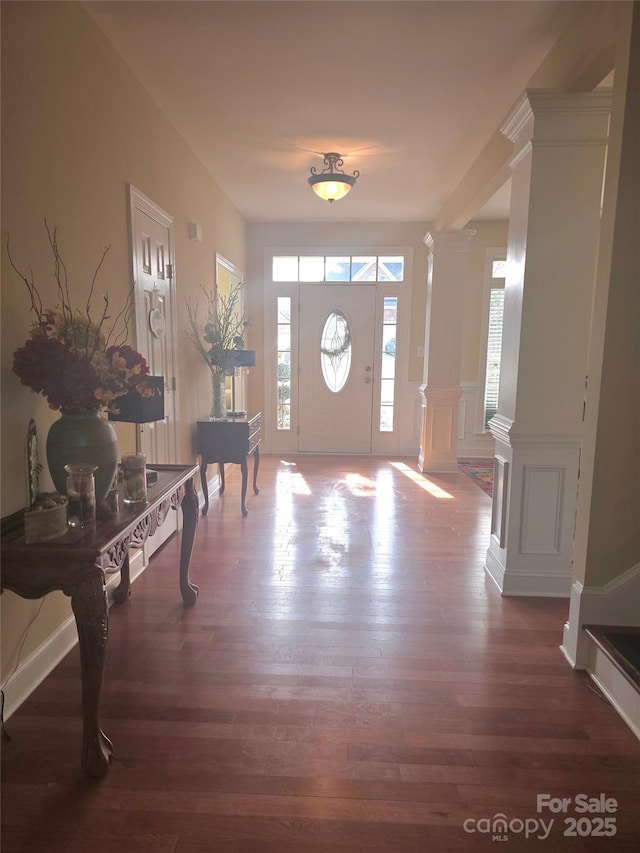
<point>542,514</point>
<point>500,500</point>
<point>441,431</point>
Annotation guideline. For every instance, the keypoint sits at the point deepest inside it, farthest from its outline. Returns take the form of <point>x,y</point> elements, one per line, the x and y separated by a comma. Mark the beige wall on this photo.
<point>76,128</point>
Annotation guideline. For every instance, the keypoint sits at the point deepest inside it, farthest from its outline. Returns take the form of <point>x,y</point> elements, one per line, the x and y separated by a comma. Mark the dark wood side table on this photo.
<point>229,440</point>
<point>75,563</point>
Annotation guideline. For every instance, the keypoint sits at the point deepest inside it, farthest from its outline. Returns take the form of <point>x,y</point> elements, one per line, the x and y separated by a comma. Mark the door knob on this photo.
<point>368,368</point>
<point>368,380</point>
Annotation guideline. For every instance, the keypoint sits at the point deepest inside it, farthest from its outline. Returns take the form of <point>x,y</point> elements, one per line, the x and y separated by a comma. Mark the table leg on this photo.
<point>123,590</point>
<point>205,487</point>
<point>256,465</point>
<point>245,473</point>
<point>189,524</point>
<point>221,470</point>
<point>89,604</point>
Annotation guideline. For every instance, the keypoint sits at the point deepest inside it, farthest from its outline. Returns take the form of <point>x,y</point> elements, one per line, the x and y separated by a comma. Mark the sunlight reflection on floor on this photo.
<point>420,480</point>
<point>352,528</point>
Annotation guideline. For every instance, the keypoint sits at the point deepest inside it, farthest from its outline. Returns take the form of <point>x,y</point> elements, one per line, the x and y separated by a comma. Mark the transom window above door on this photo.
<point>356,268</point>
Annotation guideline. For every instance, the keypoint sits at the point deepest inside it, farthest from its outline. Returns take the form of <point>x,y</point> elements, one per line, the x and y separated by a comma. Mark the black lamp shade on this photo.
<point>138,409</point>
<point>241,357</point>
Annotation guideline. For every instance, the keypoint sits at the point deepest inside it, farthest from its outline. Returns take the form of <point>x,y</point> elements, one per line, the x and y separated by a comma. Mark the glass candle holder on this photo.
<point>81,492</point>
<point>134,478</point>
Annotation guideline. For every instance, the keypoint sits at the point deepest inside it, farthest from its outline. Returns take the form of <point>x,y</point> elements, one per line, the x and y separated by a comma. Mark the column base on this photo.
<point>439,430</point>
<point>533,584</point>
<point>533,514</point>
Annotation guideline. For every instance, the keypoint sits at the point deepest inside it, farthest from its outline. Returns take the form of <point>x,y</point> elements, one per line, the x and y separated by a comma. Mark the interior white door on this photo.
<point>154,296</point>
<point>335,356</point>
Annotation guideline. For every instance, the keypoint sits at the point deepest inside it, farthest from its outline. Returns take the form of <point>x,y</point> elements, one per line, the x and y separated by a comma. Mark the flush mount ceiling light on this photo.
<point>332,183</point>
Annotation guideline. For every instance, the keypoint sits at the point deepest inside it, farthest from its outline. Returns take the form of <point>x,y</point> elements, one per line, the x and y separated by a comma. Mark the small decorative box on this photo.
<point>46,519</point>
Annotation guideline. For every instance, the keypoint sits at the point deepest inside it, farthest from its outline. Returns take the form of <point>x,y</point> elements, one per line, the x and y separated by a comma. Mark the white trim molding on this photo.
<point>550,110</point>
<point>139,201</point>
<point>615,603</point>
<point>621,694</point>
<point>37,666</point>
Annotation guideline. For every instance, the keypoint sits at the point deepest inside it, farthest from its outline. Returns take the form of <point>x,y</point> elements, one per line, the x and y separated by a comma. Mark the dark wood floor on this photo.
<point>349,680</point>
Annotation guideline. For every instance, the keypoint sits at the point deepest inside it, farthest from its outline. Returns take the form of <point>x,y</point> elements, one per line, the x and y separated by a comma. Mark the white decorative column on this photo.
<point>557,174</point>
<point>447,279</point>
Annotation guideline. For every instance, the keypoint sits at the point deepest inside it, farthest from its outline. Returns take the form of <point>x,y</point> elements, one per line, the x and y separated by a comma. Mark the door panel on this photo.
<point>154,324</point>
<point>152,262</point>
<point>336,421</point>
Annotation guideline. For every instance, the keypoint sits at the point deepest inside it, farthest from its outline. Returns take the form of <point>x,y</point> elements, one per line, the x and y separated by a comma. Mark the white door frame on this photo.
<point>405,437</point>
<point>137,200</point>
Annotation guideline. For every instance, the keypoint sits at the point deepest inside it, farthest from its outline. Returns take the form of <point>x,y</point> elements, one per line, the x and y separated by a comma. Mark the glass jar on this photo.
<point>81,492</point>
<point>134,478</point>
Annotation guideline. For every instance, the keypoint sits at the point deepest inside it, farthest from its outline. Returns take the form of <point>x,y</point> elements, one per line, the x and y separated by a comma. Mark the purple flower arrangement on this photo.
<point>68,357</point>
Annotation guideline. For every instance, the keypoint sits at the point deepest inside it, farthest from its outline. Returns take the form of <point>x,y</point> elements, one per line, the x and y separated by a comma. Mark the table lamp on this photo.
<point>239,358</point>
<point>135,408</point>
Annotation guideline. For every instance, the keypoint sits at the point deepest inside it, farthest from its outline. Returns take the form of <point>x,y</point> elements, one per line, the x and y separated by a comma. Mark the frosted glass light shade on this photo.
<point>332,183</point>
<point>329,189</point>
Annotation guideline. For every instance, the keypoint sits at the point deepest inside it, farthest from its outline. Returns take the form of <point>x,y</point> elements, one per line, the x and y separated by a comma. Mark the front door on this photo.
<point>154,296</point>
<point>336,348</point>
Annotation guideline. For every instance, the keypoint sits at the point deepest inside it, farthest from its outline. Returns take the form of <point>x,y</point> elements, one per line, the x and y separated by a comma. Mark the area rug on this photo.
<point>480,471</point>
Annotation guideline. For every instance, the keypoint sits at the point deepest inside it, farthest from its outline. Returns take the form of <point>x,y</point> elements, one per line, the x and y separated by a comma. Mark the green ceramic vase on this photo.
<point>83,436</point>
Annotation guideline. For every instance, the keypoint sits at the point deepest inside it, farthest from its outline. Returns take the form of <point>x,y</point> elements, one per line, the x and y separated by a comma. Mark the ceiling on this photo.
<point>407,92</point>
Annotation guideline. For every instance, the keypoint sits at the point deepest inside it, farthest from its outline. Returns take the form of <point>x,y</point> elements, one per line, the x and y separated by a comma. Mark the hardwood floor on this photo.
<point>349,680</point>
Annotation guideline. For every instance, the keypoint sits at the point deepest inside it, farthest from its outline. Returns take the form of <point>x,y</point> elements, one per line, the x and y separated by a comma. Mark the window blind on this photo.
<point>494,351</point>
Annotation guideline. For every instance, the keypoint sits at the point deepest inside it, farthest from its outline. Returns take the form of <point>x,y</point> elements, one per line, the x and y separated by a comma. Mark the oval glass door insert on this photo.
<point>335,351</point>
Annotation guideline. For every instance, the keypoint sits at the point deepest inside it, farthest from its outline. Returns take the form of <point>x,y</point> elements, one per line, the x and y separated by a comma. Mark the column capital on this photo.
<point>449,242</point>
<point>527,435</point>
<point>442,395</point>
<point>549,111</point>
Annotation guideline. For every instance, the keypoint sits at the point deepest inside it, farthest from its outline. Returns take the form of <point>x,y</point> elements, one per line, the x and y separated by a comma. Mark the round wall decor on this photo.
<point>157,323</point>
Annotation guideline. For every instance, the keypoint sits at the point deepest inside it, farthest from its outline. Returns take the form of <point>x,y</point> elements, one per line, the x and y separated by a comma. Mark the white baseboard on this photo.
<point>35,668</point>
<point>533,584</point>
<point>615,603</point>
<point>624,698</point>
<point>43,660</point>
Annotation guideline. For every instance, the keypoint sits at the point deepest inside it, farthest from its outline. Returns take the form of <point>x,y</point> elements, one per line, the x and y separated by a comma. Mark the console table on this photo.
<point>230,440</point>
<point>75,563</point>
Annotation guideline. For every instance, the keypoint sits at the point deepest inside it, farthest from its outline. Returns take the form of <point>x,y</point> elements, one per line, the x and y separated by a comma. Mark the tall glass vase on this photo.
<point>83,436</point>
<point>218,396</point>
